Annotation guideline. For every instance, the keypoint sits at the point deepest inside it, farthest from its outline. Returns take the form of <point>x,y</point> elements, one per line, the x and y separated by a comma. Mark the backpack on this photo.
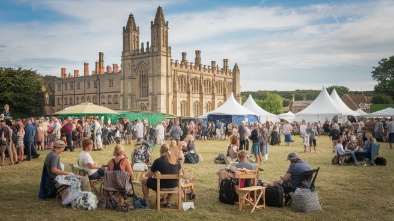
<point>191,158</point>
<point>381,161</point>
<point>334,160</point>
<point>221,159</point>
<point>227,194</point>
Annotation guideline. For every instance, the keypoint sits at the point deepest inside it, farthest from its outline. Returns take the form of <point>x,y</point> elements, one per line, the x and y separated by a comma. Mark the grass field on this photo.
<point>345,192</point>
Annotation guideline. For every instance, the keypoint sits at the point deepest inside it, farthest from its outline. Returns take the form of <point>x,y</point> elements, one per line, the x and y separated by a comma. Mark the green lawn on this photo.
<point>345,192</point>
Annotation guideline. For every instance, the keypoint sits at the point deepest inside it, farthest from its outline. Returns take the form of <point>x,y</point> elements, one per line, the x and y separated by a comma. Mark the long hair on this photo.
<point>174,148</point>
<point>168,156</point>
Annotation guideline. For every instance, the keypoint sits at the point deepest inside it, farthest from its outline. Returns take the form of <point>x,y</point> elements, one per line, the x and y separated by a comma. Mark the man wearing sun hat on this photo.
<point>293,175</point>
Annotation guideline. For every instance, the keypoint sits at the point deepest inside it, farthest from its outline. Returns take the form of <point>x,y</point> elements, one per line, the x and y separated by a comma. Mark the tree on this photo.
<point>382,99</point>
<point>341,90</point>
<point>273,103</point>
<point>384,75</point>
<point>22,91</point>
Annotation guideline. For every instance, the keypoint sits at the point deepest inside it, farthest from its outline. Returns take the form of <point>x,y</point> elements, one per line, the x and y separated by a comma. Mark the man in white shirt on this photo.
<point>160,133</point>
<point>139,130</point>
<point>303,128</point>
<point>95,171</point>
<point>342,152</point>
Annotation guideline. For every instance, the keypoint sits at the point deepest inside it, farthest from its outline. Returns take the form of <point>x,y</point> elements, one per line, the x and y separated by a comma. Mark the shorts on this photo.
<point>3,148</point>
<point>256,148</point>
<point>39,143</point>
<point>151,183</point>
<point>128,136</point>
<point>391,138</point>
<point>312,142</point>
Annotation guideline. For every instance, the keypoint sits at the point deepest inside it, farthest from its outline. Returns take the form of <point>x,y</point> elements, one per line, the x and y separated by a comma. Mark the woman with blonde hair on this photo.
<point>167,163</point>
<point>120,162</point>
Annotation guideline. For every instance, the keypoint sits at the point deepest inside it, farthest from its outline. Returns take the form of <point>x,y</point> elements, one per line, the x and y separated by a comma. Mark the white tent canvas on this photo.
<point>322,108</point>
<point>343,107</point>
<point>387,112</point>
<point>250,104</point>
<point>361,112</point>
<point>231,107</point>
<point>289,116</point>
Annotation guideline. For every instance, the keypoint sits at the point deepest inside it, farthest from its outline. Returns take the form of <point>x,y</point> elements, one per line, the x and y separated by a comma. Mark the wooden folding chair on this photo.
<point>176,190</point>
<point>252,194</point>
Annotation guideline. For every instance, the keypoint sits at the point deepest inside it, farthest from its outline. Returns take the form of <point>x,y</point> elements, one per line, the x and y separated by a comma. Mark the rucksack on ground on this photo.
<point>381,161</point>
<point>227,192</point>
<point>191,158</point>
<point>221,159</point>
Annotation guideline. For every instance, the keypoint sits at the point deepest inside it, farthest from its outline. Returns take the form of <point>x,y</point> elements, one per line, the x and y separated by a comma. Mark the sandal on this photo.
<point>168,205</point>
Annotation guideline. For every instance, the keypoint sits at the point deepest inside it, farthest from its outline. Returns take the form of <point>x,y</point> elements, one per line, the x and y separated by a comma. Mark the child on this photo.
<point>306,141</point>
<point>312,137</point>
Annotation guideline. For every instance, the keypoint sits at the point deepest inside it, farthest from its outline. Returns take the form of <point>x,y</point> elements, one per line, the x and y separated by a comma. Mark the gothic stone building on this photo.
<point>149,79</point>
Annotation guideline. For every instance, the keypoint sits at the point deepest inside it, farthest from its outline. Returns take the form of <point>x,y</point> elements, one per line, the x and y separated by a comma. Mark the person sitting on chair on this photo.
<point>120,162</point>
<point>166,164</point>
<point>244,164</point>
<point>342,152</point>
<point>294,173</point>
<point>95,171</point>
<point>367,149</point>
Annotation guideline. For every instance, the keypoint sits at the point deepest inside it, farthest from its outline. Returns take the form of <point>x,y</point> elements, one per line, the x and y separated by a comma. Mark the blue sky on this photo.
<point>278,44</point>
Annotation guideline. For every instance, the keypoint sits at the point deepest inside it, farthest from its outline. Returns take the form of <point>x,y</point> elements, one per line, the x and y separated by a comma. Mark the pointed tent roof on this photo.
<point>250,104</point>
<point>345,109</point>
<point>288,114</point>
<point>322,106</point>
<point>387,112</point>
<point>361,112</point>
<point>231,107</point>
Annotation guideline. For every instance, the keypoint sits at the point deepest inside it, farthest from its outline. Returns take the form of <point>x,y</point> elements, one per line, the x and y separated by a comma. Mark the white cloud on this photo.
<point>275,47</point>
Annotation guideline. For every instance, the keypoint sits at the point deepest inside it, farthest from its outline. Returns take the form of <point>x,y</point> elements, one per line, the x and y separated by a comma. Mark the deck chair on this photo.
<point>95,185</point>
<point>307,182</point>
<point>374,153</point>
<point>249,194</point>
<point>119,183</point>
<point>176,190</point>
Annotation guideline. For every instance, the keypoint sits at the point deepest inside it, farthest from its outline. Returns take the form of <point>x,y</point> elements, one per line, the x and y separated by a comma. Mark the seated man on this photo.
<point>243,163</point>
<point>166,164</point>
<point>52,168</point>
<point>95,171</point>
<point>342,152</point>
<point>140,156</point>
<point>294,174</point>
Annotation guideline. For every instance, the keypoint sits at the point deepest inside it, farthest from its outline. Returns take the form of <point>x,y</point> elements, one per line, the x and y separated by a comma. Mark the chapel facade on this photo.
<point>149,79</point>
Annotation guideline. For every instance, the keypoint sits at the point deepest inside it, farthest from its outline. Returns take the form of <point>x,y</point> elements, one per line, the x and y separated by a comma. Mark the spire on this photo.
<point>131,23</point>
<point>159,18</point>
<point>236,67</point>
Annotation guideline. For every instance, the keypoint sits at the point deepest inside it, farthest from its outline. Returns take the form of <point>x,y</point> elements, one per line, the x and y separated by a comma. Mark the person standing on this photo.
<point>67,130</point>
<point>175,132</point>
<point>379,130</point>
<point>242,136</point>
<point>159,133</point>
<point>139,130</point>
<point>30,133</point>
<point>312,137</point>
<point>97,134</point>
<point>335,134</point>
<point>255,135</point>
<point>390,132</point>
<point>6,112</point>
<point>5,140</point>
<point>287,128</point>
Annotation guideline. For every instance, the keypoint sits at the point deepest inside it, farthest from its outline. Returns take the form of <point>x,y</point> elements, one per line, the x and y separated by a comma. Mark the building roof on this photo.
<point>353,101</point>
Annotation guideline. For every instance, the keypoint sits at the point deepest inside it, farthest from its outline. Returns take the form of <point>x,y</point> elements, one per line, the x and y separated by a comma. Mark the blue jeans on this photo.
<point>69,142</point>
<point>352,154</point>
<point>153,141</point>
<point>99,173</point>
<point>31,150</point>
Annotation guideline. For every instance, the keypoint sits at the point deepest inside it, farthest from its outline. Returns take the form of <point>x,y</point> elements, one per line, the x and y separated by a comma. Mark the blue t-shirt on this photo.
<point>296,170</point>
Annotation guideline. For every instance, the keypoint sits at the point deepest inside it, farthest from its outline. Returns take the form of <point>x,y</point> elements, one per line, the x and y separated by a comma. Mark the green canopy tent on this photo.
<point>88,109</point>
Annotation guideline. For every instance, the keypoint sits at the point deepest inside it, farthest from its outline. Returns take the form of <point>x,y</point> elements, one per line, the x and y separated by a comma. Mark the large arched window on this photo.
<point>207,86</point>
<point>109,99</point>
<point>196,108</point>
<point>219,87</point>
<point>195,85</point>
<point>143,79</point>
<point>182,83</point>
<point>183,108</point>
<point>208,107</point>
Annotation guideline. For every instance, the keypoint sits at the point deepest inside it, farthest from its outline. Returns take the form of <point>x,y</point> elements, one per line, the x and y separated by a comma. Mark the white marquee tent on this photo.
<point>343,107</point>
<point>322,108</point>
<point>264,115</point>
<point>289,116</point>
<point>361,112</point>
<point>388,112</point>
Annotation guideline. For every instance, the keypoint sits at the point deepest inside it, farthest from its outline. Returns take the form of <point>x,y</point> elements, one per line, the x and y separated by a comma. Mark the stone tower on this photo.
<point>237,84</point>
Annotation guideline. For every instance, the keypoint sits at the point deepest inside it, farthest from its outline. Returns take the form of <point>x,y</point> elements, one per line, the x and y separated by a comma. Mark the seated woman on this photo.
<point>177,150</point>
<point>166,164</point>
<point>360,141</point>
<point>367,149</point>
<point>120,162</point>
<point>352,145</point>
<point>232,148</point>
<point>95,171</point>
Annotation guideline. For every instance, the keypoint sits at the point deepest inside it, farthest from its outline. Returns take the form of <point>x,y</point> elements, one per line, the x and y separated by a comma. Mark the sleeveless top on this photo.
<point>117,165</point>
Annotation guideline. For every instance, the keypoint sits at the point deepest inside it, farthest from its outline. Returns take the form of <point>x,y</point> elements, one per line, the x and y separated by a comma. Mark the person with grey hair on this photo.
<point>242,136</point>
<point>293,175</point>
<point>335,134</point>
<point>6,112</point>
<point>390,132</point>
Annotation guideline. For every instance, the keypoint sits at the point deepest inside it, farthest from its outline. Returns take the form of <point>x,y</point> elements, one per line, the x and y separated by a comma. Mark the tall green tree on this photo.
<point>384,75</point>
<point>341,90</point>
<point>272,103</point>
<point>22,91</point>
